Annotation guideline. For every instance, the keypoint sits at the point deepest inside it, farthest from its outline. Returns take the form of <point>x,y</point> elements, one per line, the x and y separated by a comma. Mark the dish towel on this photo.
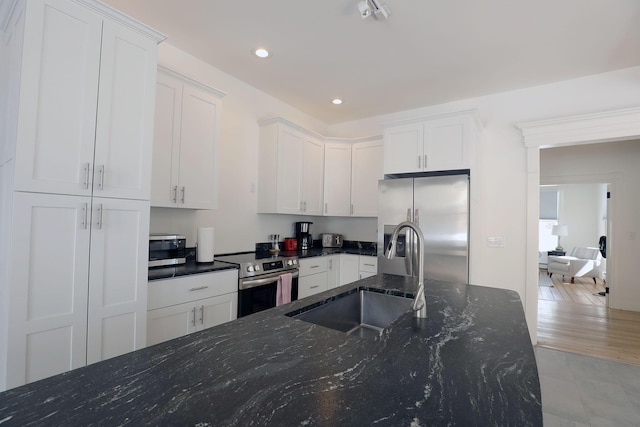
<point>283,289</point>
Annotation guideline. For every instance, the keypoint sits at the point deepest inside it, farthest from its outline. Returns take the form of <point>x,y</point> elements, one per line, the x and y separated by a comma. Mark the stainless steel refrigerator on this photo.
<point>440,207</point>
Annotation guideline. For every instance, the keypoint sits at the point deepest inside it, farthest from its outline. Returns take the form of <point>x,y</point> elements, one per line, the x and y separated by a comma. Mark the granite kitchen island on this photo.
<point>470,363</point>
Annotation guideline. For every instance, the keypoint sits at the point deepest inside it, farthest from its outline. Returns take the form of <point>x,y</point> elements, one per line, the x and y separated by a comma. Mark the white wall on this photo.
<point>617,161</point>
<point>580,209</point>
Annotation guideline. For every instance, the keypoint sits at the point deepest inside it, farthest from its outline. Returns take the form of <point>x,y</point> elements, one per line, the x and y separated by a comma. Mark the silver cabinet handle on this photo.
<point>425,161</point>
<point>100,171</point>
<point>99,216</point>
<point>351,208</point>
<point>369,265</point>
<point>325,207</point>
<point>193,320</point>
<point>330,264</point>
<point>85,171</point>
<point>301,204</point>
<point>199,288</point>
<point>314,266</point>
<point>175,194</point>
<point>313,287</point>
<point>305,205</point>
<point>83,219</point>
<point>419,161</point>
<point>202,314</point>
<point>182,191</point>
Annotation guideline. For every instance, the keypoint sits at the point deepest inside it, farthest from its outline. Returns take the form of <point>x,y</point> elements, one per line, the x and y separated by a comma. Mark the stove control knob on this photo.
<point>250,269</point>
<point>257,267</point>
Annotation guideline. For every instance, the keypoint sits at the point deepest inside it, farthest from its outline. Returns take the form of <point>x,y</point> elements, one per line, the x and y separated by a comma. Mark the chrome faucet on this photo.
<point>419,303</point>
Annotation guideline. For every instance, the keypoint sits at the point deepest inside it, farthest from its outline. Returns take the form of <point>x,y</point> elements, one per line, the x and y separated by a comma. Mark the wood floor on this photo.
<point>571,318</point>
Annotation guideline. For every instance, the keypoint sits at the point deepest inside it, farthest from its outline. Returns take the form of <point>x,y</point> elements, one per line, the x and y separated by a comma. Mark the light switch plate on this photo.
<point>495,242</point>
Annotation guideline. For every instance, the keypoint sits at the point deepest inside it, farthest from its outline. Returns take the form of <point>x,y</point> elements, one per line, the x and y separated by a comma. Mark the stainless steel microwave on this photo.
<point>167,249</point>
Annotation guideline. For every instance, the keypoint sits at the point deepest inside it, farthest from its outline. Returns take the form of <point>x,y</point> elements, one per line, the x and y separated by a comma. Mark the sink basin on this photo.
<point>363,313</point>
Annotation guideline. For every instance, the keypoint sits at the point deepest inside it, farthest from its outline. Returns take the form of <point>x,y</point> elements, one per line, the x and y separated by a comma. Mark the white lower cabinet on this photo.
<point>183,305</point>
<point>318,274</point>
<point>78,282</point>
<point>348,268</point>
<point>367,266</point>
<point>313,276</point>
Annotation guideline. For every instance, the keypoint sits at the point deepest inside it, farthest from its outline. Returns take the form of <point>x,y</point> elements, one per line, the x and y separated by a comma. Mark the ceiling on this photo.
<point>427,52</point>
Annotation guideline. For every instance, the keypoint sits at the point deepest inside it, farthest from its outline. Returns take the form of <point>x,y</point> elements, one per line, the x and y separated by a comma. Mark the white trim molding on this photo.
<point>584,129</point>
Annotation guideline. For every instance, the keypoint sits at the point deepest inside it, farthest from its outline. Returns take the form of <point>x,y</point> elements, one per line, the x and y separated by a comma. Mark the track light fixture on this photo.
<point>367,6</point>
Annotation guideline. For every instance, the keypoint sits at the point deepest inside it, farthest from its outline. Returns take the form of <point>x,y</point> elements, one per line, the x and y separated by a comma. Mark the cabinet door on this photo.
<point>311,285</point>
<point>366,170</point>
<point>403,148</point>
<point>337,179</point>
<point>349,265</point>
<point>217,310</point>
<point>446,144</point>
<point>124,129</point>
<point>166,141</point>
<point>118,277</point>
<point>333,272</point>
<point>49,273</point>
<point>313,176</point>
<point>58,96</point>
<point>197,186</point>
<point>164,324</point>
<point>289,171</point>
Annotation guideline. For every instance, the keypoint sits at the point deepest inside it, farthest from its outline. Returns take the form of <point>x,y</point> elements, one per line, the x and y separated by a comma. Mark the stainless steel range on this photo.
<point>258,279</point>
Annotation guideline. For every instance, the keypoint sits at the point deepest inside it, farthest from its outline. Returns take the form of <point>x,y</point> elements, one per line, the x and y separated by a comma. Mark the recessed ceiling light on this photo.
<point>261,52</point>
<point>336,101</point>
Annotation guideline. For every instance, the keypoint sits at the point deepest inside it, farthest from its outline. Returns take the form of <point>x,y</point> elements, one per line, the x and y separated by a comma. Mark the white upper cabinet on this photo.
<point>291,170</point>
<point>185,147</point>
<point>86,90</point>
<point>337,179</point>
<point>366,171</point>
<point>431,144</point>
<point>351,175</point>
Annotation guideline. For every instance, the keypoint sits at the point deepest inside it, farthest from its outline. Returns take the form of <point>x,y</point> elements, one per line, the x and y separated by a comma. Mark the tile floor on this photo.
<point>582,390</point>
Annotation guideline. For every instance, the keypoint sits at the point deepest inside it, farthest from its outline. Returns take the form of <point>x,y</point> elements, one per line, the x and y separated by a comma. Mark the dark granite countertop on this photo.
<point>470,363</point>
<point>191,267</point>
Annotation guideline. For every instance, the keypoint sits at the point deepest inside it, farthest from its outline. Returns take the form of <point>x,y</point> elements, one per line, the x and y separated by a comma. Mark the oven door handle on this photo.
<point>263,280</point>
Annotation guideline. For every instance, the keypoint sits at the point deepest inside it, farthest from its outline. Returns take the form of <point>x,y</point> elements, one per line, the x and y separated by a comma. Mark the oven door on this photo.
<point>259,293</point>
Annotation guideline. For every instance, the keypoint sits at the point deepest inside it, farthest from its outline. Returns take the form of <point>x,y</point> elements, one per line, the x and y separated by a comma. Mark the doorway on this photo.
<point>578,211</point>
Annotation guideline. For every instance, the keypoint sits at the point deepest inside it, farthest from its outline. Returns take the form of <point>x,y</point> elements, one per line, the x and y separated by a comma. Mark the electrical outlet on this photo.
<point>495,242</point>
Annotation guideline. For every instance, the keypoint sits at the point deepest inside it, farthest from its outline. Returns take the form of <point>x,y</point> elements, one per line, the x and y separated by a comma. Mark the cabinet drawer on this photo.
<point>313,265</point>
<point>311,285</point>
<point>164,293</point>
<point>368,264</point>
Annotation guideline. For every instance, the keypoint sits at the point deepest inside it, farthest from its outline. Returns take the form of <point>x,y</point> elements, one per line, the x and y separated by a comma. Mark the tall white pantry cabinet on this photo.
<point>77,130</point>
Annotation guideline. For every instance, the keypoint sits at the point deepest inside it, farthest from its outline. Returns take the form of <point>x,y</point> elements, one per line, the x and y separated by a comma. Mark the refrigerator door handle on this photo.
<point>416,217</point>
<point>408,247</point>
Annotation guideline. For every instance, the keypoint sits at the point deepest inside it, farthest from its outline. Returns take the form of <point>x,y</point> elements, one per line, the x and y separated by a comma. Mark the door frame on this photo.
<point>608,126</point>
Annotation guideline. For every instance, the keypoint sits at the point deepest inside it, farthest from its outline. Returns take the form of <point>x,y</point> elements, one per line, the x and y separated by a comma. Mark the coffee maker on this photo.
<point>303,234</point>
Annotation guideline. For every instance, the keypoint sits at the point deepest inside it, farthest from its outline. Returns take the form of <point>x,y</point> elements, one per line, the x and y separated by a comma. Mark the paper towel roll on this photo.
<point>205,245</point>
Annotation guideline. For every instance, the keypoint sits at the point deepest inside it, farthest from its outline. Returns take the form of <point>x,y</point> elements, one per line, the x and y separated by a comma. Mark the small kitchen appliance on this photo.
<point>167,249</point>
<point>303,234</point>
<point>290,244</point>
<point>331,240</point>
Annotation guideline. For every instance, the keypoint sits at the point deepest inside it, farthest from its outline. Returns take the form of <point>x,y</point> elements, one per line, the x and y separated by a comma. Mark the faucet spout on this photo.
<point>419,303</point>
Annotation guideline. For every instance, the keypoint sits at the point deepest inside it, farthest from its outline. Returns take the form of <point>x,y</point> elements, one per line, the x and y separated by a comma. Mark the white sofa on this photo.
<point>581,262</point>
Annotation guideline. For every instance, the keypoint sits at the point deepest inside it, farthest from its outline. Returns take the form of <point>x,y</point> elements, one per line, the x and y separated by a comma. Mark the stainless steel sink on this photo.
<point>363,313</point>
